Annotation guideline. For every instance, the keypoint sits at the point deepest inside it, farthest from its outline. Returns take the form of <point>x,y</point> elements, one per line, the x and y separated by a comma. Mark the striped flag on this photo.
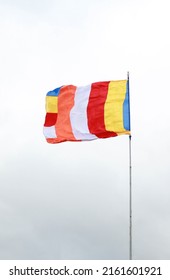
<point>99,110</point>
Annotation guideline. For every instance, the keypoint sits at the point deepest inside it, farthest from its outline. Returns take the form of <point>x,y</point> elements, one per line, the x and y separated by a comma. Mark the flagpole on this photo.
<point>130,200</point>
<point>130,187</point>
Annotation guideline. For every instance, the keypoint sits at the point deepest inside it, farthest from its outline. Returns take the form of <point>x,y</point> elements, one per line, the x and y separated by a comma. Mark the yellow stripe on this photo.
<point>52,104</point>
<point>127,132</point>
<point>113,109</point>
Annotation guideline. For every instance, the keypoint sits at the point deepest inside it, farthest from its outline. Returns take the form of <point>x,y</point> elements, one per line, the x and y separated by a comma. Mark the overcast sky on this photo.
<point>71,200</point>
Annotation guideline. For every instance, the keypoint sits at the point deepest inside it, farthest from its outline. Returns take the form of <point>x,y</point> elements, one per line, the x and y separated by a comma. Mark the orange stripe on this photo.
<point>54,140</point>
<point>65,104</point>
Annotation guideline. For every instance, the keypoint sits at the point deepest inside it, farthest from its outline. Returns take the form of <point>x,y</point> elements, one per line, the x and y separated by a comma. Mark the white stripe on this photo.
<point>49,132</point>
<point>78,114</point>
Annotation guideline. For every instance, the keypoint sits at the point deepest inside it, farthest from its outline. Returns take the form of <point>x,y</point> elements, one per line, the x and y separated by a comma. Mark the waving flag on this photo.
<point>99,110</point>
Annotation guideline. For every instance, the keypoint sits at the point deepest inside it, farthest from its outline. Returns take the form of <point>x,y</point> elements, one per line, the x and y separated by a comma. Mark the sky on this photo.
<point>71,200</point>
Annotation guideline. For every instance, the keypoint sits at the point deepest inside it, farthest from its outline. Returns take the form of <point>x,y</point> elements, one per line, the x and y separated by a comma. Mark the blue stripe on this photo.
<point>54,92</point>
<point>126,109</point>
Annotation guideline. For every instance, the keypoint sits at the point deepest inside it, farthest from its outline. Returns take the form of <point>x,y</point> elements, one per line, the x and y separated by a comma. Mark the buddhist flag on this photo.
<point>99,110</point>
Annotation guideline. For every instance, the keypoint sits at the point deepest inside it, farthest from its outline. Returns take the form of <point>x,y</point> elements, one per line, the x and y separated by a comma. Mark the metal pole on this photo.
<point>130,200</point>
<point>130,184</point>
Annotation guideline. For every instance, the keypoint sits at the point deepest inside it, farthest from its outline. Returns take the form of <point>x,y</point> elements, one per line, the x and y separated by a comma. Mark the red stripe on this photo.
<point>50,119</point>
<point>95,110</point>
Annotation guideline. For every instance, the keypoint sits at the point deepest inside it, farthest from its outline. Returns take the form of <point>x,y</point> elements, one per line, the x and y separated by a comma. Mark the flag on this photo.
<point>98,110</point>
